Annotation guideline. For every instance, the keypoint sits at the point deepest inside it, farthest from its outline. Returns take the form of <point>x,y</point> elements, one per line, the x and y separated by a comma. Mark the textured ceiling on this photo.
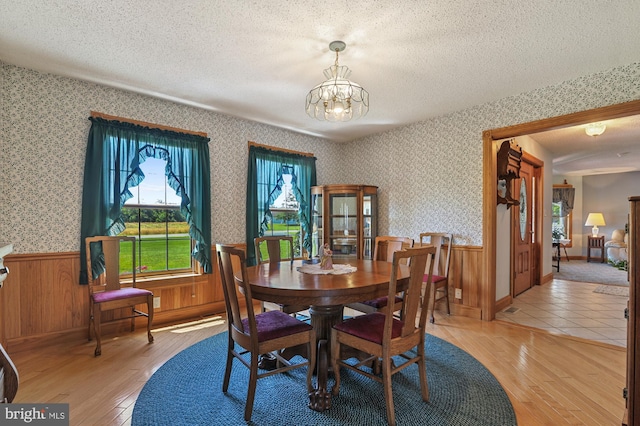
<point>258,59</point>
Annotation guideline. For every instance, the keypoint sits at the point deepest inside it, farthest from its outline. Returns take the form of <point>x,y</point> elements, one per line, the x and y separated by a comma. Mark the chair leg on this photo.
<point>149,317</point>
<point>253,381</point>
<point>97,316</point>
<point>388,393</point>
<point>91,326</point>
<point>446,296</point>
<point>432,302</point>
<point>133,319</point>
<point>227,370</point>
<point>422,367</point>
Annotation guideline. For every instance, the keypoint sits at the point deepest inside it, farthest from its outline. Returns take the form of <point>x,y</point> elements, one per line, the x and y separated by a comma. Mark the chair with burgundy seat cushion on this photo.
<point>384,248</point>
<point>384,336</point>
<point>257,334</point>
<point>439,288</point>
<point>111,289</point>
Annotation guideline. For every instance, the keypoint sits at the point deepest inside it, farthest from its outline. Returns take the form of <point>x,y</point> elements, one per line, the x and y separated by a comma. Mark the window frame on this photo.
<point>264,187</point>
<point>568,218</point>
<point>193,265</point>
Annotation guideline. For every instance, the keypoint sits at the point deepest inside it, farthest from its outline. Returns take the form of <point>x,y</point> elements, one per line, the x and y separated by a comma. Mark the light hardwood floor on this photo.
<point>550,379</point>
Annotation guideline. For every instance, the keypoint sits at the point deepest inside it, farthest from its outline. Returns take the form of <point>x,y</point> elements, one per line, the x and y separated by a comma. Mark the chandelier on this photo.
<point>337,98</point>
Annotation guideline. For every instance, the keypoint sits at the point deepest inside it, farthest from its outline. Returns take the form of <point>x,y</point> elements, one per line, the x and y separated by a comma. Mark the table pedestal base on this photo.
<point>323,318</point>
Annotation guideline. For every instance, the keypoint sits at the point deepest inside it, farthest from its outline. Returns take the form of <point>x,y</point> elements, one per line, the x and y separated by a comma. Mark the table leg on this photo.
<point>323,318</point>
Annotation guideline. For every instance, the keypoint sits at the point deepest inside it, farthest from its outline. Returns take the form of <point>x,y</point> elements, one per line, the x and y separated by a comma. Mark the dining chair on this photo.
<point>9,378</point>
<point>273,247</point>
<point>109,290</point>
<point>258,334</point>
<point>439,288</point>
<point>384,248</point>
<point>383,336</point>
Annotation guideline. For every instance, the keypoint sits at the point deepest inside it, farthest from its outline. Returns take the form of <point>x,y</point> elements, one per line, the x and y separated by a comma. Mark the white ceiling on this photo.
<point>575,153</point>
<point>258,59</point>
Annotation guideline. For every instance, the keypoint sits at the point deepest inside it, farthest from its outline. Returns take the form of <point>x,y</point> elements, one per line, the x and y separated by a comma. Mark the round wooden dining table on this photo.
<point>326,295</point>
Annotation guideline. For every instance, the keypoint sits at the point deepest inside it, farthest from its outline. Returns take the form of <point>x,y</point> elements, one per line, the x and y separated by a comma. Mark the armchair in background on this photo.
<point>616,247</point>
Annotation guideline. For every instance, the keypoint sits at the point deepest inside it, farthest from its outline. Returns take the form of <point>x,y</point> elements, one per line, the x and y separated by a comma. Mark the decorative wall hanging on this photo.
<point>509,157</point>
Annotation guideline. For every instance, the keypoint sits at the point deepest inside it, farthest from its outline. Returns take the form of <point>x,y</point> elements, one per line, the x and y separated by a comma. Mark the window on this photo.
<point>119,196</point>
<point>561,213</point>
<point>278,196</point>
<point>153,216</point>
<point>284,219</point>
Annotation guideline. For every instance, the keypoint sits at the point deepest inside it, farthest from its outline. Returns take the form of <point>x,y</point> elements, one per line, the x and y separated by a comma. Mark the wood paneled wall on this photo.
<point>42,300</point>
<point>466,274</point>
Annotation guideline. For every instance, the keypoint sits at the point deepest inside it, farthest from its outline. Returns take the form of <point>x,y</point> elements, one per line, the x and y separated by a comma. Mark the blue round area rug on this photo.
<point>187,390</point>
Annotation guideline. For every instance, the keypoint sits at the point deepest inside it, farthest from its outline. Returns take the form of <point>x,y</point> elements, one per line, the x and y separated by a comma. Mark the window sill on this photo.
<point>170,281</point>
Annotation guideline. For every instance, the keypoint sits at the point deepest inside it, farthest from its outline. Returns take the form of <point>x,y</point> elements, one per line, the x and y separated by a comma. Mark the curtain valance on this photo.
<point>565,197</point>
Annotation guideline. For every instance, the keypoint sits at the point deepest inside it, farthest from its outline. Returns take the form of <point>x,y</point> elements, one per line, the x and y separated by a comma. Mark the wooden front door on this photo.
<point>522,241</point>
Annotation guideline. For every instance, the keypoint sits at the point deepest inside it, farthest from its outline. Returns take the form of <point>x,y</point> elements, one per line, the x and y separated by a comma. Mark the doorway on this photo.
<point>488,301</point>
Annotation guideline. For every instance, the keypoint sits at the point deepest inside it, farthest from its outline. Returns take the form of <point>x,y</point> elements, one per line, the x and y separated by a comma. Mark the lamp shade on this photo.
<point>595,220</point>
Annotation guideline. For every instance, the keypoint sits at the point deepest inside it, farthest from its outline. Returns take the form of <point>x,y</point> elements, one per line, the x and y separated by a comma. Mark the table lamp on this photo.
<point>595,220</point>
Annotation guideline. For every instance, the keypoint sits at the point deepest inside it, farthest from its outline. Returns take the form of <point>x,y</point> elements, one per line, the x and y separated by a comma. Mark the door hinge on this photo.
<point>626,313</point>
<point>625,393</point>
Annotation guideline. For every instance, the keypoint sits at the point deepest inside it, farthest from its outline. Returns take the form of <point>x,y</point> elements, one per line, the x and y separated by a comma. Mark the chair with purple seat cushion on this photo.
<point>439,288</point>
<point>111,289</point>
<point>384,336</point>
<point>257,334</point>
<point>384,248</point>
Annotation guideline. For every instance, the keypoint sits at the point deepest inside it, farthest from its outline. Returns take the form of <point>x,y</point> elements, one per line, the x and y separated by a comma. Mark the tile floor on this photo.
<point>567,307</point>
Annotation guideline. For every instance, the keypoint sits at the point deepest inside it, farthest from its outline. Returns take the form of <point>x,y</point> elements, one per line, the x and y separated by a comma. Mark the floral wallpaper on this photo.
<point>429,173</point>
<point>432,178</point>
<point>43,142</point>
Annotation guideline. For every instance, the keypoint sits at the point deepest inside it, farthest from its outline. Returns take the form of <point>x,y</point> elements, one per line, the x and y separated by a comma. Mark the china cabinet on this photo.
<point>345,217</point>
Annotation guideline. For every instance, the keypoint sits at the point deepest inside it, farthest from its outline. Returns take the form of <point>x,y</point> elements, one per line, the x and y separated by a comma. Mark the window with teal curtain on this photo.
<point>115,151</point>
<point>264,184</point>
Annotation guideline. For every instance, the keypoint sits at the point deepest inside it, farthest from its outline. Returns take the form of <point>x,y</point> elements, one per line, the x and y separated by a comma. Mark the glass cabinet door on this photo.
<point>317,236</point>
<point>345,218</point>
<point>370,226</point>
<point>343,231</point>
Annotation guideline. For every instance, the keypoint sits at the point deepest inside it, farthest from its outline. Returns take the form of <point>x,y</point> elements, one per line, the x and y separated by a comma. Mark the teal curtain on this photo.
<point>264,185</point>
<point>115,151</point>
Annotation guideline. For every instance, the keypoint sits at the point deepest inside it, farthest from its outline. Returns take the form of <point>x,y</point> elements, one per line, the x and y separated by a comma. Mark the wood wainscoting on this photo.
<point>42,302</point>
<point>466,274</point>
